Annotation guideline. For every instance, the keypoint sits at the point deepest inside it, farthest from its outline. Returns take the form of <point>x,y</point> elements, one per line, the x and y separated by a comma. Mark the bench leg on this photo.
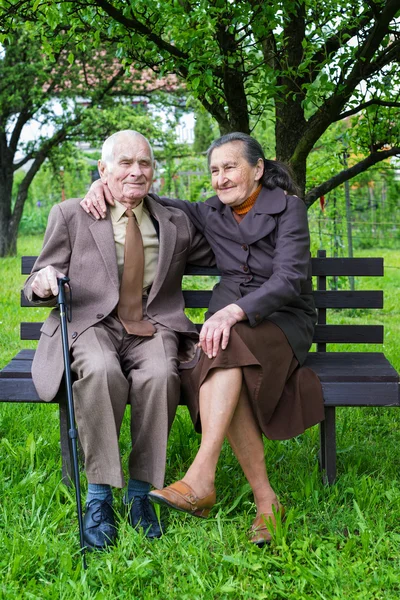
<point>328,445</point>
<point>67,473</point>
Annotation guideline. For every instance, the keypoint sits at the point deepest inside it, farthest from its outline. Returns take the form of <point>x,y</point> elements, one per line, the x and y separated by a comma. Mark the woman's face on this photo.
<point>232,178</point>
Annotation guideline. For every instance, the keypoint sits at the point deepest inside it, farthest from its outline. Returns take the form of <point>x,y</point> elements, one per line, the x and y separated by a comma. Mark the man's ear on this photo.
<point>102,168</point>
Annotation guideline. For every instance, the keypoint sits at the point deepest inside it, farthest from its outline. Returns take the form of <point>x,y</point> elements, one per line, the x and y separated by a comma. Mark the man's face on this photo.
<point>130,175</point>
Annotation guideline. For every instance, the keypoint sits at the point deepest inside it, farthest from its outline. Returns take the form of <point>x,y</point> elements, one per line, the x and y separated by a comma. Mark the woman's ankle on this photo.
<point>264,501</point>
<point>202,484</point>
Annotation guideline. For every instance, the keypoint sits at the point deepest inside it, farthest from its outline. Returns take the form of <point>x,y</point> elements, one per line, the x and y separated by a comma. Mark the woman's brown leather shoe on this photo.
<point>180,496</point>
<point>259,532</point>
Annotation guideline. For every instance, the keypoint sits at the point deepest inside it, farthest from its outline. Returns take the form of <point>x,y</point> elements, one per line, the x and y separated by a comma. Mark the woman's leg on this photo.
<point>245,438</point>
<point>218,398</point>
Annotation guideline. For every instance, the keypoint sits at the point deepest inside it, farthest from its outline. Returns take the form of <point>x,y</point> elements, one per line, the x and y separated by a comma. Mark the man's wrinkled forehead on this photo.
<point>132,147</point>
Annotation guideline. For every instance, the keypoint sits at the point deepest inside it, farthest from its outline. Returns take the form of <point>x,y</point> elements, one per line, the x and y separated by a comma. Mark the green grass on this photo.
<point>340,542</point>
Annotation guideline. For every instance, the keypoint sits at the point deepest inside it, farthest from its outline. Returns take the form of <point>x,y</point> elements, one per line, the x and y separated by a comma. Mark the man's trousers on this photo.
<point>113,368</point>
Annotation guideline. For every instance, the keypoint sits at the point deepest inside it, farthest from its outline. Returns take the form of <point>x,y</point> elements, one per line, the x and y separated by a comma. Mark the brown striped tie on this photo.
<point>130,307</point>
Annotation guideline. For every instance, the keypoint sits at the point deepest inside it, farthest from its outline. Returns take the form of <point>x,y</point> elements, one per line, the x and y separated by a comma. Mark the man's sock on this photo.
<point>99,491</point>
<point>136,488</point>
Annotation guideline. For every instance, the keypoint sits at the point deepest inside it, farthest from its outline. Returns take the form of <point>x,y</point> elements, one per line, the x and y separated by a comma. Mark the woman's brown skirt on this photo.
<point>286,399</point>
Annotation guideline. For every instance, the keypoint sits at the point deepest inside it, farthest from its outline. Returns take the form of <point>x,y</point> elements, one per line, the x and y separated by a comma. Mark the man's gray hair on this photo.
<point>107,150</point>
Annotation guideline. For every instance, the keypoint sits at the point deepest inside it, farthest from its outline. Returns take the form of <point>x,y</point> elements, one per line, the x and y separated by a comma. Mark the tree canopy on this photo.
<point>312,63</point>
<point>61,89</point>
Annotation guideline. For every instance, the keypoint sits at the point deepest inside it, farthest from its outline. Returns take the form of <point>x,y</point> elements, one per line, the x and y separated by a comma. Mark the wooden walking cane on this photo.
<point>72,433</point>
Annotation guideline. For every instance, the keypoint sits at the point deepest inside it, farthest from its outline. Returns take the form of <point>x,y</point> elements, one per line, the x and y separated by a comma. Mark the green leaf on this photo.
<point>195,83</point>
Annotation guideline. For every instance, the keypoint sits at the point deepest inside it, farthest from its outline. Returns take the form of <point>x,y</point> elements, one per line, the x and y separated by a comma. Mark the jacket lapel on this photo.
<point>103,236</point>
<point>167,237</point>
<point>259,221</point>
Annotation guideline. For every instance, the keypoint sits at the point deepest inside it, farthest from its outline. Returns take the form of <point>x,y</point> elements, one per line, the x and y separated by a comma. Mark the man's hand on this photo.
<point>216,329</point>
<point>95,200</point>
<point>45,283</point>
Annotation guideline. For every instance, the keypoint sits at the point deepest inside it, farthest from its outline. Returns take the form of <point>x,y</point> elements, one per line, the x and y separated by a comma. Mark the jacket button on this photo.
<point>99,316</point>
<point>245,268</point>
<point>257,317</point>
<point>74,335</point>
<point>245,247</point>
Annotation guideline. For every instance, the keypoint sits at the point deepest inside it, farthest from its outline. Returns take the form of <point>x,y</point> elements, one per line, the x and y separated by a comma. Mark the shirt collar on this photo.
<point>269,202</point>
<point>118,212</point>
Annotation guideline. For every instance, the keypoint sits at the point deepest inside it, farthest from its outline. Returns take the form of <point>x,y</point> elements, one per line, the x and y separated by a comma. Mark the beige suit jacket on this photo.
<point>83,248</point>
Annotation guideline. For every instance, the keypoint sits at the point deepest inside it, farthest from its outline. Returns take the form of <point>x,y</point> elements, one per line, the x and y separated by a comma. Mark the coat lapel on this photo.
<point>259,221</point>
<point>103,236</point>
<point>167,238</point>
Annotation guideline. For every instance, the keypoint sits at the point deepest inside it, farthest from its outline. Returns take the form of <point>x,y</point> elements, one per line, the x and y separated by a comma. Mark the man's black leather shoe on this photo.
<point>141,515</point>
<point>99,529</point>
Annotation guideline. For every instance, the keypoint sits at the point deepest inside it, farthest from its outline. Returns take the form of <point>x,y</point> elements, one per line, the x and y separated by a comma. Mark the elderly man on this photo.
<point>128,330</point>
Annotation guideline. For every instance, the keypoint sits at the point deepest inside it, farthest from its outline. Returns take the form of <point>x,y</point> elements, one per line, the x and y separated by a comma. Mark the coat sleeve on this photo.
<point>196,211</point>
<point>56,251</point>
<point>289,265</point>
<point>200,252</point>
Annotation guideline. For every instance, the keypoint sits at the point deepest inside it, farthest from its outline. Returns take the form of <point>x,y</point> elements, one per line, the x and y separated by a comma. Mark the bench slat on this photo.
<point>361,394</point>
<point>17,369</point>
<point>18,390</point>
<point>25,354</point>
<point>348,299</point>
<point>372,267</point>
<point>329,299</point>
<point>352,366</point>
<point>329,267</point>
<point>329,366</point>
<point>349,334</point>
<point>330,334</point>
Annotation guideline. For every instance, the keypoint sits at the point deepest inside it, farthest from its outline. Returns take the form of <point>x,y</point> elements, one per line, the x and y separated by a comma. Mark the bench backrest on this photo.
<point>322,268</point>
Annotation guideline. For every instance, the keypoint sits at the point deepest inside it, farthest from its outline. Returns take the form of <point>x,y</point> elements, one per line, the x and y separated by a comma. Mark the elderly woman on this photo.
<point>248,379</point>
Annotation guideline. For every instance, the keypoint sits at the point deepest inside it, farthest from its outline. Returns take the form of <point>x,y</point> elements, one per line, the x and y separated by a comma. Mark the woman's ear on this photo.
<point>259,169</point>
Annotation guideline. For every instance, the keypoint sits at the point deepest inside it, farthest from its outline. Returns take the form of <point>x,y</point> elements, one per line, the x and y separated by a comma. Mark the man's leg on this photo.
<point>152,370</point>
<point>100,397</point>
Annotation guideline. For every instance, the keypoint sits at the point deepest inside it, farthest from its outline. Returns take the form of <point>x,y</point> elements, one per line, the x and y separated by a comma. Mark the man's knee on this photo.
<point>166,372</point>
<point>102,372</point>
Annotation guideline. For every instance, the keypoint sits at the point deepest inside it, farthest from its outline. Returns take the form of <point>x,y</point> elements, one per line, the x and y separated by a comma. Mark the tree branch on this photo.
<point>360,107</point>
<point>335,42</point>
<point>347,174</point>
<point>136,25</point>
<point>363,69</point>
<point>24,116</point>
<point>22,162</point>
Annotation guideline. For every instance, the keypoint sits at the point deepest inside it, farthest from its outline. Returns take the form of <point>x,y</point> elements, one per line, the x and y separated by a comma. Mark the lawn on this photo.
<point>339,542</point>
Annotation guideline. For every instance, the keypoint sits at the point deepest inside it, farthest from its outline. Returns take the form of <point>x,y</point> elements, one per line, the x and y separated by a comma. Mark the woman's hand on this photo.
<point>95,200</point>
<point>216,329</point>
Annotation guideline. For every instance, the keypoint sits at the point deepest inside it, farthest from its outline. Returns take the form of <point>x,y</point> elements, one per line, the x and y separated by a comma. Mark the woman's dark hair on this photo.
<point>276,174</point>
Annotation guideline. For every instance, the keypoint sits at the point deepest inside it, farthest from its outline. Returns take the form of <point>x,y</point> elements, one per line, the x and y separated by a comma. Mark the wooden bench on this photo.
<point>348,378</point>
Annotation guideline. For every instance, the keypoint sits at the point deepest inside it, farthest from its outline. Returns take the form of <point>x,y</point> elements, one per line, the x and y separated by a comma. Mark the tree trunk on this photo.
<point>8,237</point>
<point>289,128</point>
<point>9,221</point>
<point>290,123</point>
